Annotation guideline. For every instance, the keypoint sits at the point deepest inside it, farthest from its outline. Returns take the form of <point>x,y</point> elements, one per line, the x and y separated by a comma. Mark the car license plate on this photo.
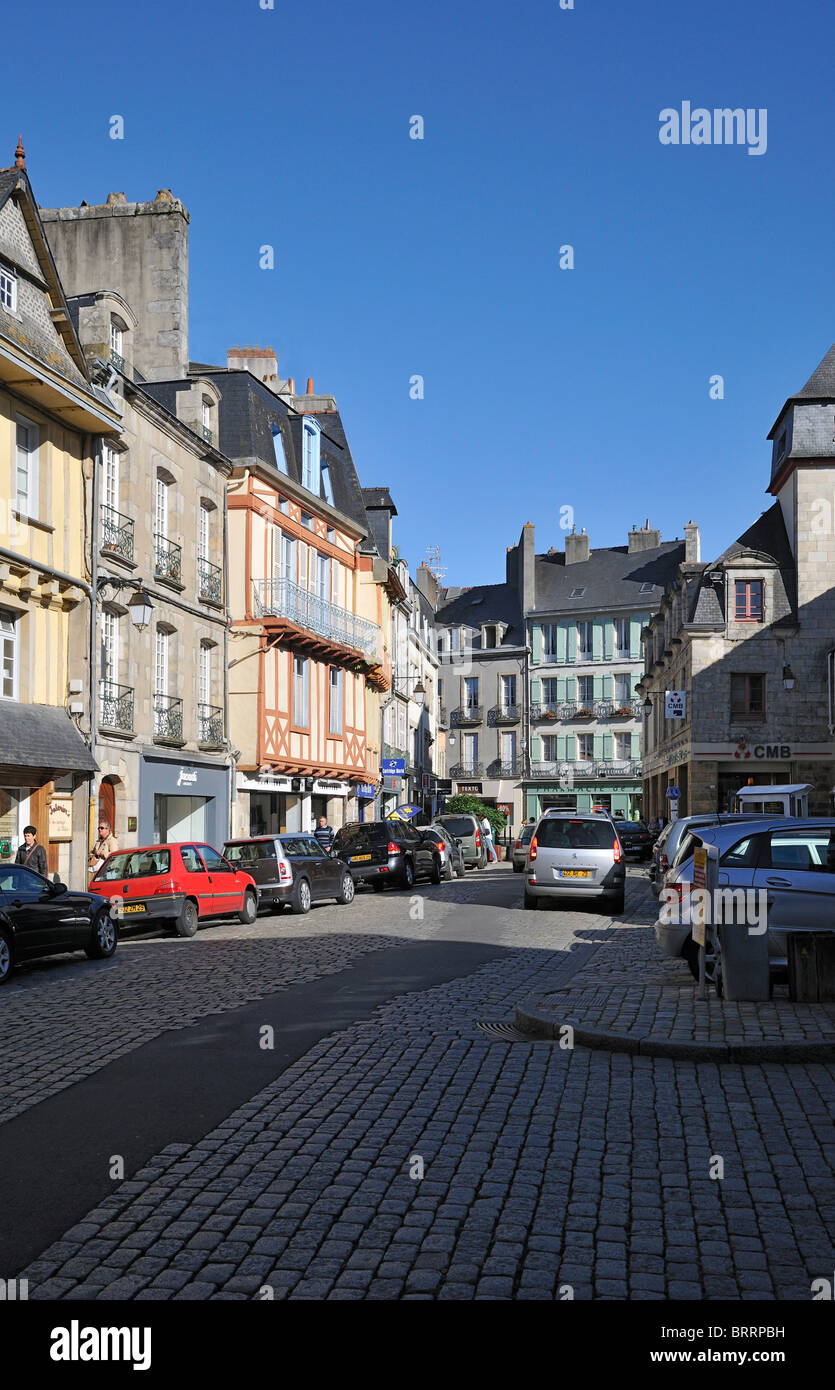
<point>573,873</point>
<point>357,858</point>
<point>132,907</point>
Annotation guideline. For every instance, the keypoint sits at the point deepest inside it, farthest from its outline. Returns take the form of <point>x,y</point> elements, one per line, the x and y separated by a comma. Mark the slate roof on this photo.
<point>766,538</point>
<point>42,736</point>
<point>484,603</point>
<point>821,384</point>
<point>611,578</point>
<point>379,497</point>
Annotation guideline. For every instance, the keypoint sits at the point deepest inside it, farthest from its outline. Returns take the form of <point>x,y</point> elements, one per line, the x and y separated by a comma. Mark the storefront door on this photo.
<point>179,818</point>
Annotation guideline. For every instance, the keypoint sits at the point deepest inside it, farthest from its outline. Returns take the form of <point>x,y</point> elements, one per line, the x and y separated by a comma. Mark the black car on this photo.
<point>39,918</point>
<point>291,870</point>
<point>387,851</point>
<point>449,850</point>
<point>635,838</point>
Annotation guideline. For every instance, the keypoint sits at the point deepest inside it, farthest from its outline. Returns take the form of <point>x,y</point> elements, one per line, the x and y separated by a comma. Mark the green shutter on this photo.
<point>607,748</point>
<point>636,744</point>
<point>562,690</point>
<point>635,625</point>
<point>597,639</point>
<point>598,747</point>
<point>598,687</point>
<point>561,631</point>
<point>570,641</point>
<point>608,687</point>
<point>608,639</point>
<point>634,677</point>
<point>570,748</point>
<point>561,748</point>
<point>536,748</point>
<point>536,690</point>
<point>536,642</point>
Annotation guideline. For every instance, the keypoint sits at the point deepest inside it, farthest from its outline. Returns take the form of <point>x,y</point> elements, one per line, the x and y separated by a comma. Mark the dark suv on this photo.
<point>387,851</point>
<point>291,870</point>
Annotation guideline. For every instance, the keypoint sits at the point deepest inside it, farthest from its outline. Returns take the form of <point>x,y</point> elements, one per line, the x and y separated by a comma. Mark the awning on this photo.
<point>39,743</point>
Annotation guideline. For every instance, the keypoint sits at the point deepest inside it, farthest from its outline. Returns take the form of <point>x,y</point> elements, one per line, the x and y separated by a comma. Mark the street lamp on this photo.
<point>788,677</point>
<point>140,609</point>
<point>647,707</point>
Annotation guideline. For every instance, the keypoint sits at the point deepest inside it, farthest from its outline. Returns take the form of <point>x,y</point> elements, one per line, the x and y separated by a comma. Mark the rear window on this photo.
<point>459,825</point>
<point>250,851</point>
<point>348,833</point>
<point>526,833</point>
<point>143,863</point>
<point>574,834</point>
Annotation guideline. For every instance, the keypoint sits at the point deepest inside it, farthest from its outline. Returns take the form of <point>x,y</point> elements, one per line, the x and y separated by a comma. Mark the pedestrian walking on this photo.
<point>32,855</point>
<point>324,834</point>
<point>487,835</point>
<point>105,844</point>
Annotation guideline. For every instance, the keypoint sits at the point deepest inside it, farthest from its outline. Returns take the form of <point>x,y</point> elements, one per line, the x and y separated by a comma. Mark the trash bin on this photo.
<point>744,961</point>
<point>811,961</point>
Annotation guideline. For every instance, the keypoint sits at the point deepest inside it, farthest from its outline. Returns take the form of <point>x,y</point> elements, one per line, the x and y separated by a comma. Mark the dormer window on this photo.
<point>8,288</point>
<point>206,420</point>
<point>278,450</point>
<point>748,600</point>
<point>311,473</point>
<point>490,636</point>
<point>647,588</point>
<point>781,446</point>
<point>577,593</point>
<point>327,490</point>
<point>117,343</point>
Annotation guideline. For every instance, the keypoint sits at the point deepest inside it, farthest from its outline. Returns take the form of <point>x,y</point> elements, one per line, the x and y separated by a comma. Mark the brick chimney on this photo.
<point>576,547</point>
<point>692,544</point>
<point>261,362</point>
<point>643,539</point>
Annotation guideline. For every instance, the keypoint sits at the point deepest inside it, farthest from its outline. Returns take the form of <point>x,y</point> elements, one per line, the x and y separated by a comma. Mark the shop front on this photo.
<point>260,805</point>
<point>363,805</point>
<point>710,774</point>
<point>622,799</point>
<point>182,799</point>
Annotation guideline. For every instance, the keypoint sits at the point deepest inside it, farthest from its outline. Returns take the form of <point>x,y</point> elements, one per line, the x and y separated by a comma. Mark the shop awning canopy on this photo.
<point>39,742</point>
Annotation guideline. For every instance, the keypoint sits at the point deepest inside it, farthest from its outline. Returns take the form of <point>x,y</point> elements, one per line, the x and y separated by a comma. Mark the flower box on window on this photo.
<point>582,713</point>
<point>622,712</point>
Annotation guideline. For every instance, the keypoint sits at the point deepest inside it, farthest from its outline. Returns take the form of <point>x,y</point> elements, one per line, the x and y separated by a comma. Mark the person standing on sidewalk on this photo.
<point>487,836</point>
<point>324,834</point>
<point>32,855</point>
<point>105,844</point>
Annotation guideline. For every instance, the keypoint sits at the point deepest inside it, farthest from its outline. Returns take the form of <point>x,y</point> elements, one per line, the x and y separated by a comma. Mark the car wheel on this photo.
<point>102,942</point>
<point>249,911</point>
<point>449,872</point>
<point>378,885</point>
<point>461,870</point>
<point>617,905</point>
<point>188,921</point>
<point>346,896</point>
<point>690,952</point>
<point>6,956</point>
<point>517,868</point>
<point>531,903</point>
<point>435,875</point>
<point>408,876</point>
<point>301,897</point>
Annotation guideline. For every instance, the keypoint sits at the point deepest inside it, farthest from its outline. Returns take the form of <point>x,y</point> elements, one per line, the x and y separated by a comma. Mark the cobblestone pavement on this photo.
<point>545,1171</point>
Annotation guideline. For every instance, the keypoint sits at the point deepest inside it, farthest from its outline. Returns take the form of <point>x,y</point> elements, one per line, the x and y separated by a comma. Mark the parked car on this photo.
<point>178,885</point>
<point>666,846</point>
<point>467,829</point>
<point>575,855</point>
<point>449,850</point>
<point>791,861</point>
<point>520,847</point>
<point>39,918</point>
<point>387,852</point>
<point>635,838</point>
<point>291,870</point>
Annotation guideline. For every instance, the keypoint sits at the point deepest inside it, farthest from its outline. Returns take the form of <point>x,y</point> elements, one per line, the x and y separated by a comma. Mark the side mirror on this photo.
<point>59,888</point>
<point>457,841</point>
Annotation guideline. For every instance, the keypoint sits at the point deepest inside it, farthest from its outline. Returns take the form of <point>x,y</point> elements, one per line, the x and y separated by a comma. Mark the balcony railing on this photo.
<point>208,435</point>
<point>460,770</point>
<point>116,706</point>
<point>466,714</point>
<point>210,581</point>
<point>168,718</point>
<point>168,559</point>
<point>281,598</point>
<point>210,723</point>
<point>117,533</point>
<point>582,767</point>
<point>504,714</point>
<point>118,360</point>
<point>503,768</point>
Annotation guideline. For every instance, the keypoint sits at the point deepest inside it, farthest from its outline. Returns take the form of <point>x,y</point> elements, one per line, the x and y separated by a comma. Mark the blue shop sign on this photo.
<point>394,767</point>
<point>366,791</point>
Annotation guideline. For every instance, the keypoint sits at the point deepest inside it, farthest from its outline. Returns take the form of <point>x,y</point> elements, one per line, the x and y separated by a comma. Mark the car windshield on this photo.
<point>248,852</point>
<point>574,834</point>
<point>141,863</point>
<point>459,825</point>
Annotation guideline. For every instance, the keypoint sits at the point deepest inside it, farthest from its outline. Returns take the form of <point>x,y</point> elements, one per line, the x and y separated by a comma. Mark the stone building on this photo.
<point>157,519</point>
<point>749,638</point>
<point>52,421</point>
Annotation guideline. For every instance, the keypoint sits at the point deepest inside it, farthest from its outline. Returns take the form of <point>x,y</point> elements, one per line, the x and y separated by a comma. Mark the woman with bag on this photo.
<point>32,855</point>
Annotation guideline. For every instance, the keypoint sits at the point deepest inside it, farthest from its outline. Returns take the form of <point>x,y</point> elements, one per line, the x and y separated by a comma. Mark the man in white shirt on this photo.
<point>487,836</point>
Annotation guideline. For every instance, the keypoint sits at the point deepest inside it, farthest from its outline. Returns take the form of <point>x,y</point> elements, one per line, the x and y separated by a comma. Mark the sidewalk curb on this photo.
<point>536,1025</point>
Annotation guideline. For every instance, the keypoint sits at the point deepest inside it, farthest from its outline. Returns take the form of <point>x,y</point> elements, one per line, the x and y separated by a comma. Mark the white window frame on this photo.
<point>311,467</point>
<point>110,479</point>
<point>622,741</point>
<point>204,536</point>
<point>549,640</point>
<point>623,681</point>
<point>161,664</point>
<point>335,700</point>
<point>27,502</point>
<point>623,627</point>
<point>471,701</point>
<point>117,338</point>
<point>280,460</point>
<point>288,557</point>
<point>508,746</point>
<point>204,693</point>
<point>323,576</point>
<point>470,741</point>
<point>585,742</point>
<point>8,288</point>
<point>549,748</point>
<point>9,647</point>
<point>585,653</point>
<point>110,646</point>
<point>585,700</point>
<point>324,471</point>
<point>161,509</point>
<point>301,692</point>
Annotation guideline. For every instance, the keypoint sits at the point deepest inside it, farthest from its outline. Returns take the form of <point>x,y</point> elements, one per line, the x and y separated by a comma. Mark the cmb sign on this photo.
<point>675,704</point>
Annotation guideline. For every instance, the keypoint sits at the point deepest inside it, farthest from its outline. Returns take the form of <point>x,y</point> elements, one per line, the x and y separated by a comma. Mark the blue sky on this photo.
<point>544,388</point>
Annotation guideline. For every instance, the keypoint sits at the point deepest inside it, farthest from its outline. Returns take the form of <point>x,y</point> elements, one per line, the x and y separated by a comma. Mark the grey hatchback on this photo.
<point>466,828</point>
<point>291,869</point>
<point>575,855</point>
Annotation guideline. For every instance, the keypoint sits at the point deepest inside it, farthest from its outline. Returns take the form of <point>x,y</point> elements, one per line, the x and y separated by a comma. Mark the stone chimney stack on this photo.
<point>692,544</point>
<point>261,362</point>
<point>526,568</point>
<point>643,539</point>
<point>576,547</point>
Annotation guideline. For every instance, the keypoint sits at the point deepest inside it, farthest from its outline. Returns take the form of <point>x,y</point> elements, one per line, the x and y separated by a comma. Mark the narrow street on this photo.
<point>381,1142</point>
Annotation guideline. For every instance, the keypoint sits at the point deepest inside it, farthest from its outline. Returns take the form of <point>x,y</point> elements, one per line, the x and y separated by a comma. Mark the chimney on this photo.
<point>291,382</point>
<point>261,362</point>
<point>576,547</point>
<point>309,391</point>
<point>527,568</point>
<point>692,544</point>
<point>643,539</point>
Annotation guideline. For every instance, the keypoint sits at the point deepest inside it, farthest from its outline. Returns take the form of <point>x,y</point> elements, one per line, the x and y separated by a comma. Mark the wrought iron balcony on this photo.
<point>118,360</point>
<point>500,768</point>
<point>168,559</point>
<point>631,768</point>
<point>603,709</point>
<point>210,722</point>
<point>281,598</point>
<point>168,718</point>
<point>210,581</point>
<point>116,706</point>
<point>208,435</point>
<point>460,770</point>
<point>117,533</point>
<point>466,714</point>
<point>630,709</point>
<point>504,714</point>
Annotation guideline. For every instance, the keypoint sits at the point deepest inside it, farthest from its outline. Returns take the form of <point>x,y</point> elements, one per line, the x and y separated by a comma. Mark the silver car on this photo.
<point>575,855</point>
<point>668,843</point>
<point>787,866</point>
<point>520,847</point>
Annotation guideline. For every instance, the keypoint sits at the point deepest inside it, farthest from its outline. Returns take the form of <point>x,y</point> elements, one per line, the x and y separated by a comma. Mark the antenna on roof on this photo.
<point>433,562</point>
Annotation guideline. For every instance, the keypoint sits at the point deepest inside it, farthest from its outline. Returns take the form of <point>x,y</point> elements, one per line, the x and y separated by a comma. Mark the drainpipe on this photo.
<point>233,765</point>
<point>94,574</point>
<point>526,732</point>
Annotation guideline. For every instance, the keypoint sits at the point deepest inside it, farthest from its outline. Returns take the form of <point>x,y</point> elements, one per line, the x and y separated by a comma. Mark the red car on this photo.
<point>178,885</point>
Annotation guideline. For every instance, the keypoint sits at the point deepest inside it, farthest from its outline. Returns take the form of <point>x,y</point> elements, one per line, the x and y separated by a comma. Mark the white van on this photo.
<point>789,800</point>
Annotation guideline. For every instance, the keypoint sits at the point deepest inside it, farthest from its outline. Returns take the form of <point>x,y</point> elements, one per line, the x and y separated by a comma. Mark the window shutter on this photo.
<point>597,639</point>
<point>608,687</point>
<point>598,687</point>
<point>634,677</point>
<point>636,744</point>
<point>607,748</point>
<point>570,748</point>
<point>562,690</point>
<point>599,745</point>
<point>536,635</point>
<point>562,755</point>
<point>536,690</point>
<point>536,748</point>
<point>570,640</point>
<point>608,639</point>
<point>635,625</point>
